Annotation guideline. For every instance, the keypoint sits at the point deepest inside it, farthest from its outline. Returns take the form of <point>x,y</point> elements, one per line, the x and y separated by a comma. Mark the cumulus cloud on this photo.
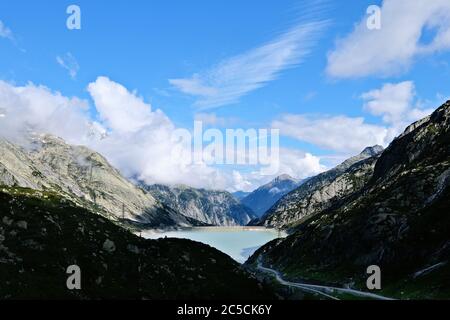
<point>121,110</point>
<point>134,137</point>
<point>234,77</point>
<point>32,108</point>
<point>391,101</point>
<point>299,164</point>
<point>393,48</point>
<point>140,142</point>
<point>293,162</point>
<point>338,133</point>
<point>68,62</point>
<point>396,104</point>
<point>138,139</point>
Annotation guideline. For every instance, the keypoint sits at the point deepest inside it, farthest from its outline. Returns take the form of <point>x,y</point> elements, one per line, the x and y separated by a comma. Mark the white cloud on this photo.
<point>295,163</point>
<point>138,140</point>
<point>37,108</point>
<point>391,101</point>
<point>68,62</point>
<point>194,86</point>
<point>234,77</point>
<point>242,183</point>
<point>398,106</point>
<point>299,164</point>
<point>393,48</point>
<point>5,32</point>
<point>338,133</point>
<point>121,110</point>
<point>395,103</point>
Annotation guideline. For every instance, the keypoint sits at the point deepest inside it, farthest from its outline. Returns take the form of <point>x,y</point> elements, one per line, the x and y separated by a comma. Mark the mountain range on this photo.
<point>239,195</point>
<point>321,191</point>
<point>395,215</point>
<point>212,207</point>
<point>62,205</point>
<point>264,197</point>
<point>48,163</point>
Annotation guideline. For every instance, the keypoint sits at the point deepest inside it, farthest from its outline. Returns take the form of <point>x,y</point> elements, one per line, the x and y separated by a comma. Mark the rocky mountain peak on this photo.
<point>416,143</point>
<point>372,151</point>
<point>82,176</point>
<point>263,198</point>
<point>321,191</point>
<point>284,177</point>
<point>214,207</point>
<point>396,218</point>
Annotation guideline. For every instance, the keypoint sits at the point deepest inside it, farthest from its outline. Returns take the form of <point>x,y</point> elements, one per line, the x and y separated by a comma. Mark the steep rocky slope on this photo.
<point>83,176</point>
<point>321,191</point>
<point>263,198</point>
<point>399,221</point>
<point>41,234</point>
<point>239,195</point>
<point>208,206</point>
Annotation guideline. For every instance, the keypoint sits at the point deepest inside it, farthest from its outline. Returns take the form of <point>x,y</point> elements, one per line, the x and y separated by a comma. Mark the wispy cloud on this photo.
<point>236,76</point>
<point>5,32</point>
<point>68,62</point>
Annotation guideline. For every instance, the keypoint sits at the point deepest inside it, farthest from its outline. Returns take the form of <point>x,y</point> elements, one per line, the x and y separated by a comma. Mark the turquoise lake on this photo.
<point>237,242</point>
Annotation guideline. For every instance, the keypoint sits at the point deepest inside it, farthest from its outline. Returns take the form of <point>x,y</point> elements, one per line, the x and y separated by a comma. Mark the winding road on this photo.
<point>320,290</point>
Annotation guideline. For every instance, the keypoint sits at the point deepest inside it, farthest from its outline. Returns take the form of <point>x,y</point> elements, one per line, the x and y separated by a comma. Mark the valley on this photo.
<point>65,205</point>
<point>237,242</point>
<point>41,234</point>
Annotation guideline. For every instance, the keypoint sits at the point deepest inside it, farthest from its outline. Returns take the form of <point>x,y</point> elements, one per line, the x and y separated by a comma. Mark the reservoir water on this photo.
<point>238,242</point>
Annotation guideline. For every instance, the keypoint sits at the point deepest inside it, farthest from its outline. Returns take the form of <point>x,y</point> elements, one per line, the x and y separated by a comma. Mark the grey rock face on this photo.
<point>319,192</point>
<point>208,206</point>
<point>263,198</point>
<point>83,176</point>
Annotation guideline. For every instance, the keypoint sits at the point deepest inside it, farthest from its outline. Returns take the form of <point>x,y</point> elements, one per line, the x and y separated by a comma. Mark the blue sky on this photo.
<point>336,81</point>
